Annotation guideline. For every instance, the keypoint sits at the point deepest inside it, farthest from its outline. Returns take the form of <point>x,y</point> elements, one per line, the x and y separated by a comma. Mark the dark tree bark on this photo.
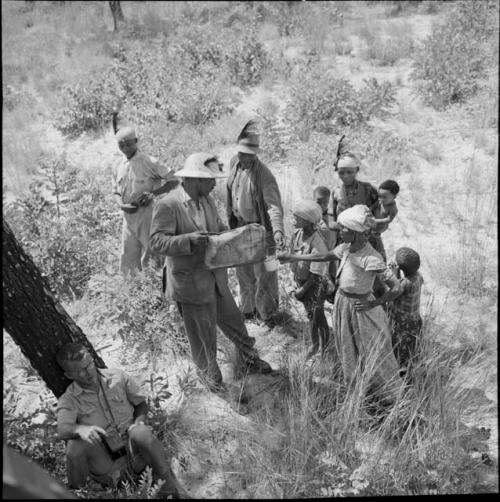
<point>116,10</point>
<point>34,319</point>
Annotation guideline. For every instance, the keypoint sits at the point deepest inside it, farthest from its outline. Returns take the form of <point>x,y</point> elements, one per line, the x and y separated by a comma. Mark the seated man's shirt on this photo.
<point>88,407</point>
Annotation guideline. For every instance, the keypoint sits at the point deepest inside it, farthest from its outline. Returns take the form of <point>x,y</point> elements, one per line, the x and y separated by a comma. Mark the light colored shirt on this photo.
<point>198,214</point>
<point>241,192</point>
<point>357,271</point>
<point>88,407</point>
<point>313,244</point>
<point>141,173</point>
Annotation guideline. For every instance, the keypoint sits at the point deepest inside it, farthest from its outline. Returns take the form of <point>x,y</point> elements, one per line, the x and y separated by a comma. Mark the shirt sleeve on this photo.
<point>272,198</point>
<point>318,246</point>
<point>374,263</point>
<point>67,411</point>
<point>339,251</point>
<point>134,395</point>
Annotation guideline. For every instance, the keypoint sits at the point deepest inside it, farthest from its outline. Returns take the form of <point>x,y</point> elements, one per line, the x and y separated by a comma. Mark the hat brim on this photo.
<point>189,173</point>
<point>248,149</point>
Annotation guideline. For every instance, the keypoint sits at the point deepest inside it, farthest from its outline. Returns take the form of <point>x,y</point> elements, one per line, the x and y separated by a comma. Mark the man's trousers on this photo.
<point>201,323</point>
<point>258,290</point>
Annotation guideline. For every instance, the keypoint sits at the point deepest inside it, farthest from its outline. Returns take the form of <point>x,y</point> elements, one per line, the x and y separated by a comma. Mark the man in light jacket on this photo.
<point>181,221</point>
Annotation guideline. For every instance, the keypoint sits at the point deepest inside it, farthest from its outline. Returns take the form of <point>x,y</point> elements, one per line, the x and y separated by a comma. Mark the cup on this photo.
<point>271,263</point>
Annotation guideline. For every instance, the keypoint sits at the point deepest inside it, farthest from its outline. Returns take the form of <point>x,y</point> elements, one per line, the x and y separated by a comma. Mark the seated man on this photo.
<point>102,415</point>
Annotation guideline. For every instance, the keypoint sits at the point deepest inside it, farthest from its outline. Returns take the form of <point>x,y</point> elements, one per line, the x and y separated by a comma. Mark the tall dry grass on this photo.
<point>329,440</point>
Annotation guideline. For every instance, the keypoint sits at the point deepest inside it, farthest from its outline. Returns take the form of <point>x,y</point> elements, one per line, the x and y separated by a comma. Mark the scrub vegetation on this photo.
<point>412,85</point>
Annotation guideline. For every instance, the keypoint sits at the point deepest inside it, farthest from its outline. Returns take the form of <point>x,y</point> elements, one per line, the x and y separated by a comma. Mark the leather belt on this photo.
<point>354,295</point>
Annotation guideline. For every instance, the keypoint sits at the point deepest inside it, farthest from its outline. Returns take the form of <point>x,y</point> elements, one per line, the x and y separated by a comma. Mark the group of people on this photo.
<point>336,254</point>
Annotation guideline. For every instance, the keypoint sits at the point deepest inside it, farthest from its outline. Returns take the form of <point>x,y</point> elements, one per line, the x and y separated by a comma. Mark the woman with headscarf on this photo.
<point>360,324</point>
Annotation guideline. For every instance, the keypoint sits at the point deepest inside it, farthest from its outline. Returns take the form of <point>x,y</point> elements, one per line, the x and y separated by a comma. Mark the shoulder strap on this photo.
<point>107,404</point>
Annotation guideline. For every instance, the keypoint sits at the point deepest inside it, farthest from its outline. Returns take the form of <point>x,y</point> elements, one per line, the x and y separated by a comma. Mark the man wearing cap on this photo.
<point>253,196</point>
<point>137,178</point>
<point>181,221</point>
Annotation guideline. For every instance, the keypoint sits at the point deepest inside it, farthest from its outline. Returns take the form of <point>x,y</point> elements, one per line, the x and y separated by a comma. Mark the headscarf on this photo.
<point>348,161</point>
<point>357,218</point>
<point>125,133</point>
<point>309,210</point>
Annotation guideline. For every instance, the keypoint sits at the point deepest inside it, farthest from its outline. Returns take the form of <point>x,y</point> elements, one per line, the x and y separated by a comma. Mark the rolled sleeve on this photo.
<point>67,412</point>
<point>132,389</point>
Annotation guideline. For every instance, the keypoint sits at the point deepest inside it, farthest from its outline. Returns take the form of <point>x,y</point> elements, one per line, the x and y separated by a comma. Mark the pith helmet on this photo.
<point>195,167</point>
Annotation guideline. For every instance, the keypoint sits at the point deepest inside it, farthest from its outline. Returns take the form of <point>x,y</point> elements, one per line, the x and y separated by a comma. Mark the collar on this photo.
<point>106,379</point>
<point>354,186</point>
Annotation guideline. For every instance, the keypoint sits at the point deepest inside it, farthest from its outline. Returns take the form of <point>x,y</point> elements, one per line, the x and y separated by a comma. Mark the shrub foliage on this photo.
<point>450,62</point>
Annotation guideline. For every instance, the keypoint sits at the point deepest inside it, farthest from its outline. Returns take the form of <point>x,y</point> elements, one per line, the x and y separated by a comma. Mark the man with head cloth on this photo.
<point>137,178</point>
<point>181,221</point>
<point>253,196</point>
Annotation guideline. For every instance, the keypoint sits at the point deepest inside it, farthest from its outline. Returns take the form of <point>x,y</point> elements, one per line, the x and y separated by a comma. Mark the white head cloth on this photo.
<point>357,218</point>
<point>309,210</point>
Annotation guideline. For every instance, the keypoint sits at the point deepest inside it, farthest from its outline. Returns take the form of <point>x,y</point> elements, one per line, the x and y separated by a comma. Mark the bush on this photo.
<point>136,306</point>
<point>321,103</point>
<point>89,103</point>
<point>67,225</point>
<point>450,62</point>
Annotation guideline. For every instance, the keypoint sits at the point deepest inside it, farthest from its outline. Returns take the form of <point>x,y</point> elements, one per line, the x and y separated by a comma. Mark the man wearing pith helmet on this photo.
<point>137,178</point>
<point>181,221</point>
<point>253,196</point>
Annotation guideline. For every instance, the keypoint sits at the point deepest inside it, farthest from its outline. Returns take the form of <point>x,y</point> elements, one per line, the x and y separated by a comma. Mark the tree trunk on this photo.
<point>116,10</point>
<point>34,319</point>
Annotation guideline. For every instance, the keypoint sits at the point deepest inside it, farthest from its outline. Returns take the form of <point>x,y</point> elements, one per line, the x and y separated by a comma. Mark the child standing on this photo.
<point>384,211</point>
<point>404,312</point>
<point>350,191</point>
<point>321,195</point>
<point>310,277</point>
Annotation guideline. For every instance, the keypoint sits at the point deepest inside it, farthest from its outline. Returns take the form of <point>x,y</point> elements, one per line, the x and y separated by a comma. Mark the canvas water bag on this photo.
<point>241,246</point>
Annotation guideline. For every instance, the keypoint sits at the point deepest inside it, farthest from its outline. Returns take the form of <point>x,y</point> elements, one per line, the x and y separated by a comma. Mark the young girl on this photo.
<point>404,312</point>
<point>311,278</point>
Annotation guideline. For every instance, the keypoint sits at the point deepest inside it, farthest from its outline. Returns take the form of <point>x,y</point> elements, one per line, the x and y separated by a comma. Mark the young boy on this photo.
<point>384,211</point>
<point>310,277</point>
<point>321,195</point>
<point>404,311</point>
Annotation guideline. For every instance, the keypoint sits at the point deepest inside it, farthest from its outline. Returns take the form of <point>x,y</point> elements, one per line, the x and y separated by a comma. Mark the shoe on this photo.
<point>258,366</point>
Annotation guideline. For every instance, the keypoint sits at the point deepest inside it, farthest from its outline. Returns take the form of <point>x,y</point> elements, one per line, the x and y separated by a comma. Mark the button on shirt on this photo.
<point>88,407</point>
<point>198,215</point>
<point>141,173</point>
<point>243,198</point>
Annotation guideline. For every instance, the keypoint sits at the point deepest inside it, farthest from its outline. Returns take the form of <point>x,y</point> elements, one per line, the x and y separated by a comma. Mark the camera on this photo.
<point>115,444</point>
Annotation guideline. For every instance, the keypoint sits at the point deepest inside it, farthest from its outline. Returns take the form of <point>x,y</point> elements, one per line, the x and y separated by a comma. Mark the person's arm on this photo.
<point>118,198</point>
<point>67,428</point>
<point>272,198</point>
<point>332,212</point>
<point>393,292</point>
<point>163,238</point>
<point>140,415</point>
<point>310,281</point>
<point>289,257</point>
